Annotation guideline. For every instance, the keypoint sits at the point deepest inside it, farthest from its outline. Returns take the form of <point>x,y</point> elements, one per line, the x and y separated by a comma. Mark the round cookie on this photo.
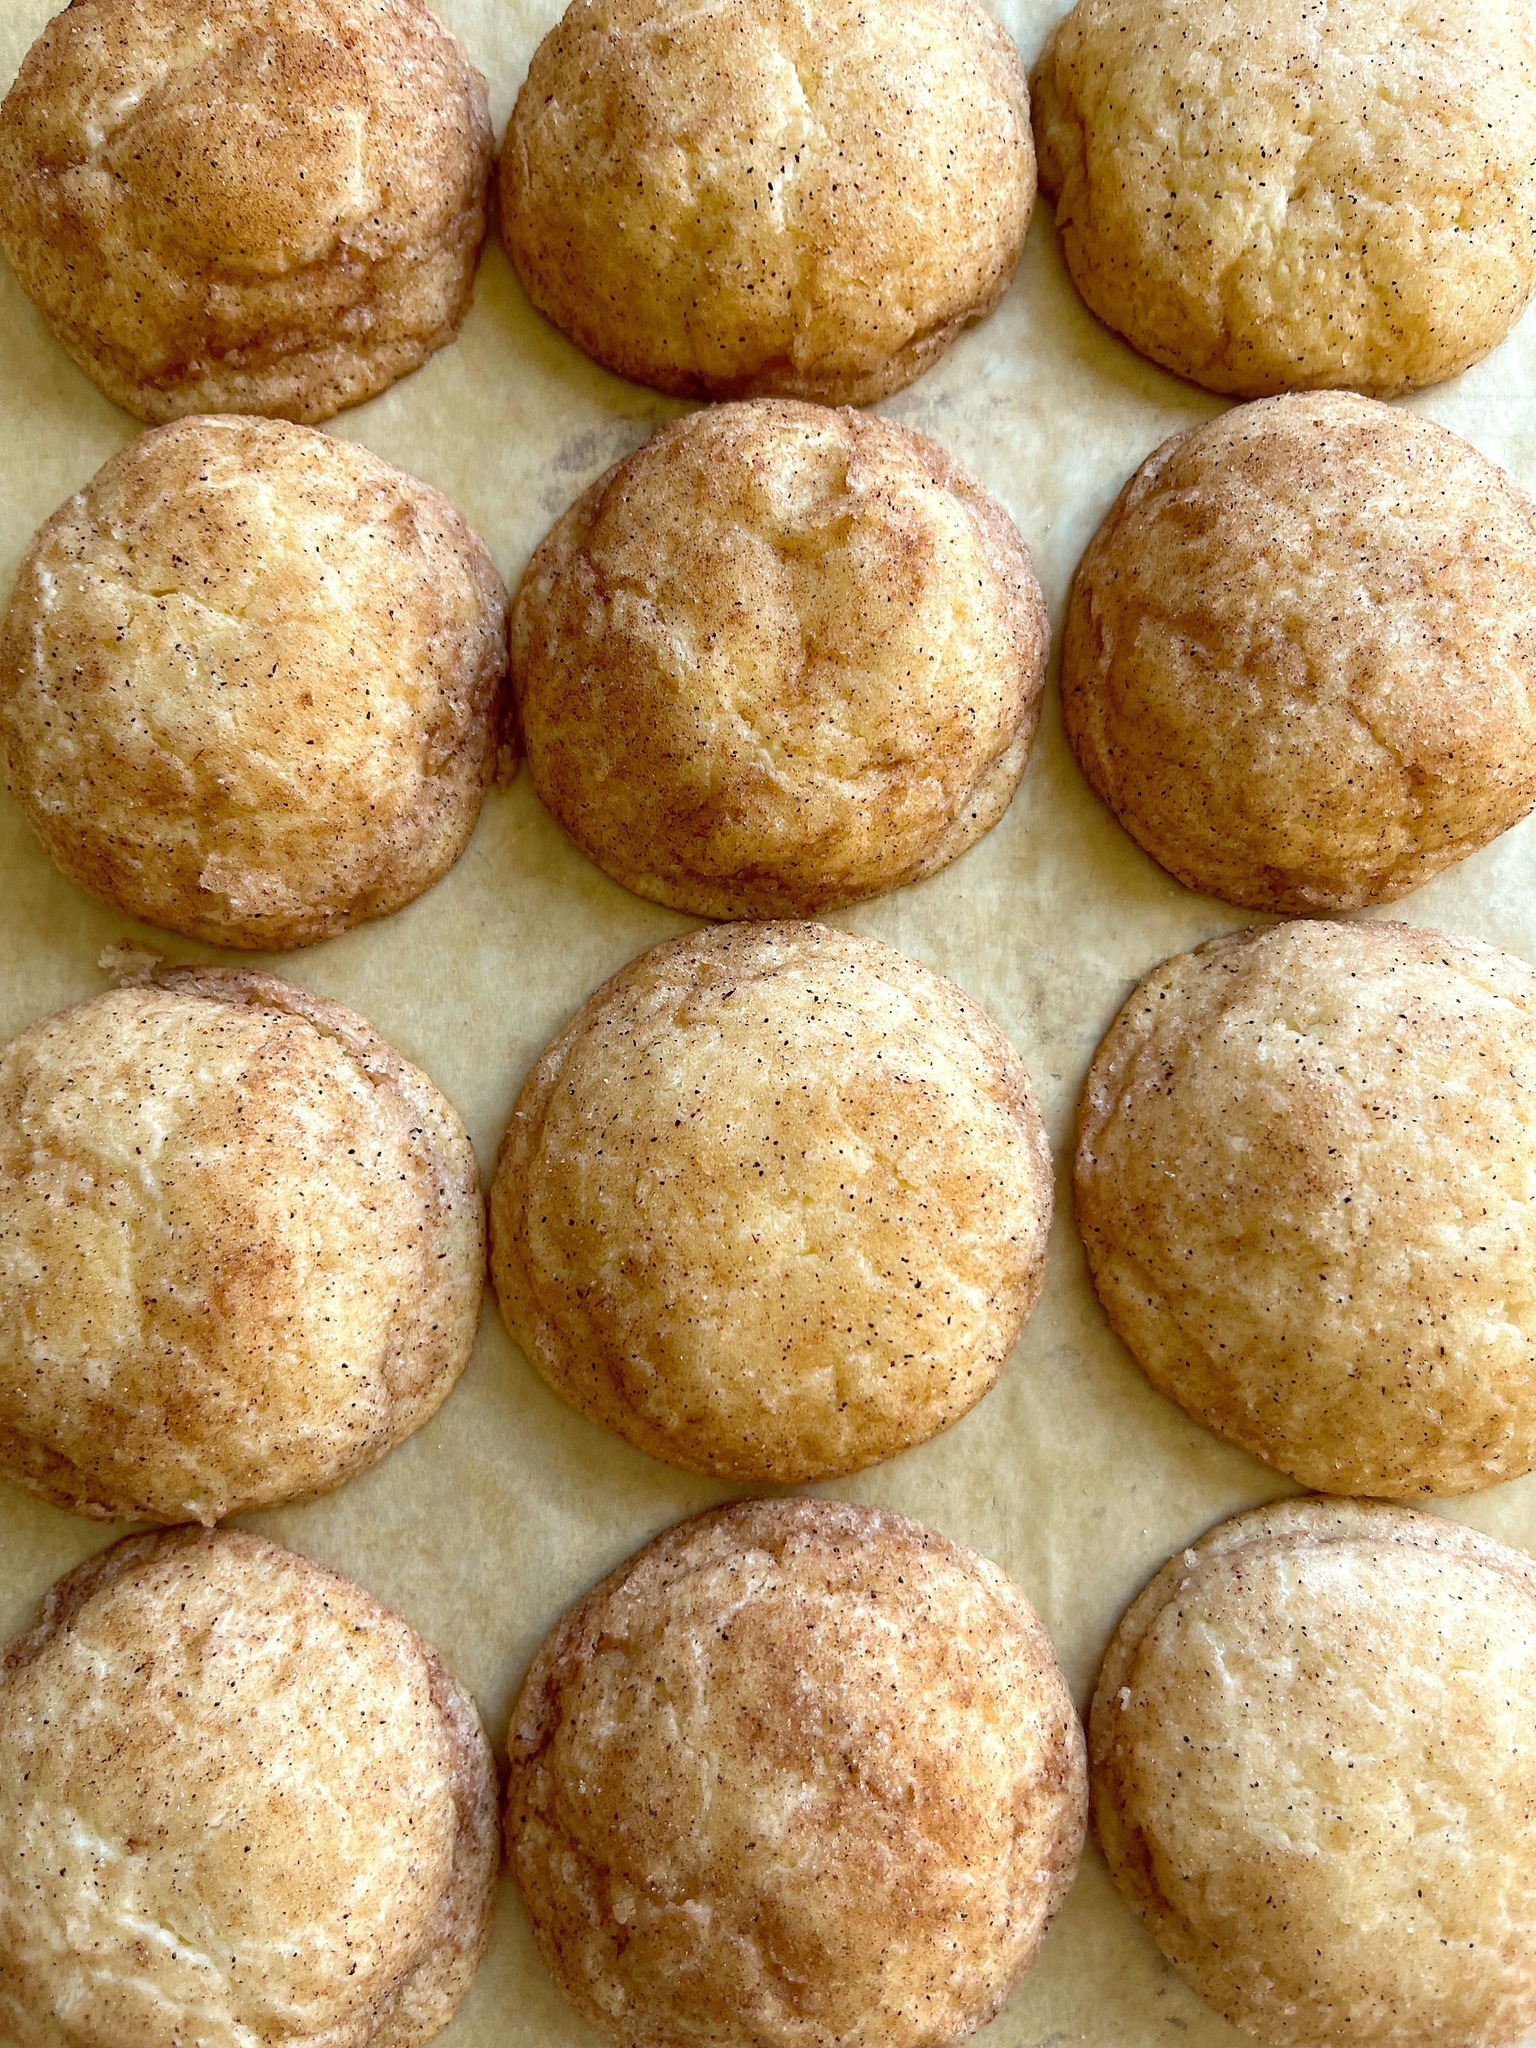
<point>798,1773</point>
<point>249,683</point>
<point>774,1205</point>
<point>239,1801</point>
<point>1300,656</point>
<point>241,1249</point>
<point>778,659</point>
<point>268,206</point>
<point>1314,1776</point>
<point>759,199</point>
<point>1280,198</point>
<point>1306,1181</point>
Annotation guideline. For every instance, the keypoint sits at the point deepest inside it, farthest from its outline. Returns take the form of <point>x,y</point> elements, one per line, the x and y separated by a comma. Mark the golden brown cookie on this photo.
<point>1306,1180</point>
<point>249,680</point>
<point>268,206</point>
<point>774,1204</point>
<point>1313,1776</point>
<point>240,1801</point>
<point>778,659</point>
<point>1279,198</point>
<point>241,1249</point>
<point>1300,656</point>
<point>798,1773</point>
<point>762,198</point>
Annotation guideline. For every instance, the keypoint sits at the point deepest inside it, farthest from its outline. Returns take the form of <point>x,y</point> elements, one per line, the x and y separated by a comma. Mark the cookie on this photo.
<point>778,659</point>
<point>241,1249</point>
<point>239,1801</point>
<point>774,1204</point>
<point>1300,655</point>
<point>1278,199</point>
<point>249,682</point>
<point>268,206</point>
<point>759,199</point>
<point>1306,1181</point>
<point>1312,1776</point>
<point>797,1773</point>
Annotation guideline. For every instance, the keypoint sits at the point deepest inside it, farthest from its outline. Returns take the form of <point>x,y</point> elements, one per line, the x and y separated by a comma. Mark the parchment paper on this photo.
<point>1073,1474</point>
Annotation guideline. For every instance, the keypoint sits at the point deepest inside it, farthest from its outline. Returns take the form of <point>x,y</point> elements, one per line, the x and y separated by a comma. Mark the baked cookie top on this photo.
<point>1313,1761</point>
<point>778,659</point>
<point>1300,655</point>
<point>774,1204</point>
<point>249,680</point>
<point>764,197</point>
<point>268,206</point>
<point>239,1801</point>
<point>1336,192</point>
<point>241,1249</point>
<point>1306,1181</point>
<point>801,1773</point>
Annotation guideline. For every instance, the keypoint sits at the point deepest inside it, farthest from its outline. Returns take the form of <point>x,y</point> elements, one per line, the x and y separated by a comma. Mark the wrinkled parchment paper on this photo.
<point>1073,1474</point>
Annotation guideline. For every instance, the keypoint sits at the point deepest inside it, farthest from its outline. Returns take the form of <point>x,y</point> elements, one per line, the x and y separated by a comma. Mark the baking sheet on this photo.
<point>1073,1474</point>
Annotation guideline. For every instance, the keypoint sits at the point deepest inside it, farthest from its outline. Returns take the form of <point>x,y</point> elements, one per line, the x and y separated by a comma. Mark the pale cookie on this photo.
<point>1262,198</point>
<point>1314,1776</point>
<point>269,206</point>
<point>762,197</point>
<point>774,1204</point>
<point>779,659</point>
<point>1306,1181</point>
<point>1300,656</point>
<point>249,683</point>
<point>241,1249</point>
<point>798,1775</point>
<point>240,1802</point>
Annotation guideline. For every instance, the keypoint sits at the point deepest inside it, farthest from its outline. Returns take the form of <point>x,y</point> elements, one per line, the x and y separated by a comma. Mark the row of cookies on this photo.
<point>797,1772</point>
<point>240,1799</point>
<point>250,677</point>
<point>778,659</point>
<point>774,1205</point>
<point>277,207</point>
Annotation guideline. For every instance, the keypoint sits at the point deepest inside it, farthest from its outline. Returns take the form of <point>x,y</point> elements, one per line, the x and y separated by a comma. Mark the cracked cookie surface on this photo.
<point>1306,1182</point>
<point>778,659</point>
<point>241,1249</point>
<point>240,1802</point>
<point>249,683</point>
<point>266,206</point>
<point>1300,655</point>
<point>1339,192</point>
<point>774,1205</point>
<point>797,1774</point>
<point>769,199</point>
<point>1312,1770</point>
